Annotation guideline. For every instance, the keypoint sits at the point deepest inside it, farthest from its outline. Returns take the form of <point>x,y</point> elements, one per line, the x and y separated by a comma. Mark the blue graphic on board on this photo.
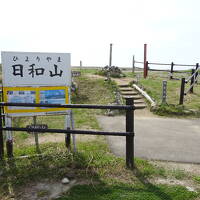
<point>52,96</point>
<point>21,96</point>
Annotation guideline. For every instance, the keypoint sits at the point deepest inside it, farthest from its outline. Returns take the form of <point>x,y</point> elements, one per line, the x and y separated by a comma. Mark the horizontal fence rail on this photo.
<point>171,70</point>
<point>118,107</point>
<point>129,108</point>
<point>168,64</point>
<point>192,79</point>
<point>40,130</point>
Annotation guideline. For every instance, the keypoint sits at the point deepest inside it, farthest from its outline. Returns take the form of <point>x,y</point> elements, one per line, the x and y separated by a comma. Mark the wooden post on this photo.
<point>192,80</point>
<point>197,66</point>
<point>147,67</point>
<point>172,70</point>
<point>182,91</point>
<point>130,139</point>
<point>1,136</point>
<point>133,64</point>
<point>110,58</point>
<point>145,60</point>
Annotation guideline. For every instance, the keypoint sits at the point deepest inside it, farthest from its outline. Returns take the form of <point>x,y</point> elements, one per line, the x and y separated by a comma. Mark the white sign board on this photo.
<point>35,69</point>
<point>43,78</point>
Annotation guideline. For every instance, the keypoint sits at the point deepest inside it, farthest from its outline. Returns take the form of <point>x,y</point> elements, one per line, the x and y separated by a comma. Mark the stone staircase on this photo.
<point>126,92</point>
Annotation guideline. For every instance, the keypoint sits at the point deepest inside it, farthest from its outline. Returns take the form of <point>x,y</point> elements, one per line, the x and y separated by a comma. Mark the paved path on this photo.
<point>157,138</point>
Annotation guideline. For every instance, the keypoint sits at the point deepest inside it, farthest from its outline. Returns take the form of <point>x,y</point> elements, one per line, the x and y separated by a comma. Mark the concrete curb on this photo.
<point>143,93</point>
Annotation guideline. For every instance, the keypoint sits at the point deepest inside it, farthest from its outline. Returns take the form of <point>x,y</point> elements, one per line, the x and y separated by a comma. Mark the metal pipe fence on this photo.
<point>129,133</point>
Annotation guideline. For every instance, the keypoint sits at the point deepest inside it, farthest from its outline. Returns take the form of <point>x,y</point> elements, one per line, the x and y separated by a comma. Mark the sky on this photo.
<point>85,28</point>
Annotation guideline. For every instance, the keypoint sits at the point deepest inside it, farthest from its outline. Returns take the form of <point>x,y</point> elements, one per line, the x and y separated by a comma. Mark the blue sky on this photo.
<point>85,28</point>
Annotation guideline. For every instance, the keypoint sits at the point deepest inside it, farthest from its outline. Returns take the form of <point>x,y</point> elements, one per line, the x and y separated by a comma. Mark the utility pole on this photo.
<point>80,65</point>
<point>110,59</point>
<point>133,64</point>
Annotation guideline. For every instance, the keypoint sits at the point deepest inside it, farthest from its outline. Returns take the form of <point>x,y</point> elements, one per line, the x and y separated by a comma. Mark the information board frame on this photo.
<point>50,87</point>
<point>37,91</point>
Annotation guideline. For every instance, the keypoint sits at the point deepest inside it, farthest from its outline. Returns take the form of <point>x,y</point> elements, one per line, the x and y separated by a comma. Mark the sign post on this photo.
<point>36,136</point>
<point>30,77</point>
<point>1,137</point>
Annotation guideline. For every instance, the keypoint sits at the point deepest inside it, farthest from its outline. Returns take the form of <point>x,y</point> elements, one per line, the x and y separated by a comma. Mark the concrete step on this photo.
<point>139,102</point>
<point>126,89</point>
<point>130,96</point>
<point>139,106</point>
<point>129,93</point>
<point>123,85</point>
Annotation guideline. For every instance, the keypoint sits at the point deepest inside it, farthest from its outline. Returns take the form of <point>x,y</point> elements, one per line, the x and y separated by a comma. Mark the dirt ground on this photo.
<point>119,81</point>
<point>56,138</point>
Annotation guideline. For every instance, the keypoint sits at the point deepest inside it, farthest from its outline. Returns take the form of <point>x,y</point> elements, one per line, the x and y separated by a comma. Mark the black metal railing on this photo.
<point>129,133</point>
<point>193,80</point>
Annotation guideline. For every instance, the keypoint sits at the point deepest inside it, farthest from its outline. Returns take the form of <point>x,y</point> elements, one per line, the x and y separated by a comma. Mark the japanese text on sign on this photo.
<point>38,69</point>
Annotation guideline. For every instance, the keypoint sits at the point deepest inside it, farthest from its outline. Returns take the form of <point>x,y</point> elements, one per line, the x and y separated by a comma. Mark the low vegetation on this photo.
<point>103,175</point>
<point>111,71</point>
<point>153,86</point>
<point>89,92</point>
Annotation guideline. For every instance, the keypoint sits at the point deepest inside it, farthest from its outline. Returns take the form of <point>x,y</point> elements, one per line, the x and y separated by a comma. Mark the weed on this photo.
<point>178,174</point>
<point>148,170</point>
<point>42,193</point>
<point>196,179</point>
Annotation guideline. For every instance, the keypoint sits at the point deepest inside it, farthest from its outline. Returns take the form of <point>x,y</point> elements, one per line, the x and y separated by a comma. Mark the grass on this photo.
<point>196,179</point>
<point>89,92</point>
<point>128,192</point>
<point>54,162</point>
<point>86,70</point>
<point>93,162</point>
<point>129,74</point>
<point>153,86</point>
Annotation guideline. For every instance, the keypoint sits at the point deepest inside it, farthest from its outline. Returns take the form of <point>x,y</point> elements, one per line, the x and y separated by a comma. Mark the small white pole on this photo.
<point>36,136</point>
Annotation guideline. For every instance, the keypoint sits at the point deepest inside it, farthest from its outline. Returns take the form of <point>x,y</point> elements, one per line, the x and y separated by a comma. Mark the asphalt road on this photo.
<point>157,138</point>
